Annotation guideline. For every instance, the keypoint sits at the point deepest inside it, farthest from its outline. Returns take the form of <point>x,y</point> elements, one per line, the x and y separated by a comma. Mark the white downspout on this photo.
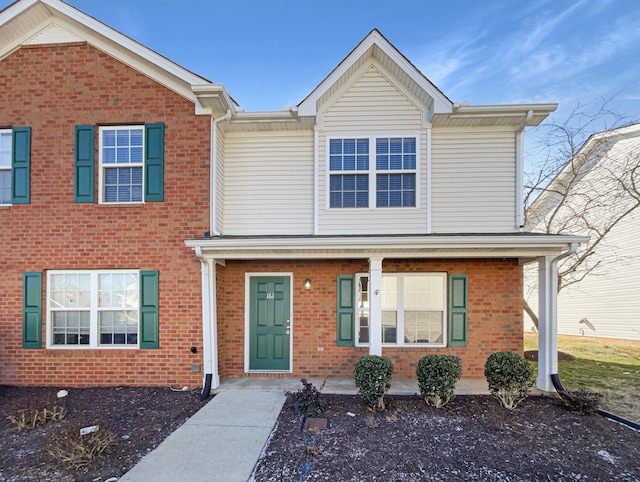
<point>520,172</point>
<point>209,322</point>
<point>213,175</point>
<point>316,176</point>
<point>429,207</point>
<point>548,318</point>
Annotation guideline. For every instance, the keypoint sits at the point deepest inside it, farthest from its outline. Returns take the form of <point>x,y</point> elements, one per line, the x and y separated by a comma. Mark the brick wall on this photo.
<point>494,315</point>
<point>52,89</point>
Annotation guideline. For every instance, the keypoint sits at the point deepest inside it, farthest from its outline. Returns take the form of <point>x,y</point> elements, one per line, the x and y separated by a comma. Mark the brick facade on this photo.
<point>494,315</point>
<point>52,89</point>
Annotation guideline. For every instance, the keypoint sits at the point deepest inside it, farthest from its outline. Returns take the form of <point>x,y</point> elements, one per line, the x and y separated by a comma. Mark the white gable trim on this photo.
<point>441,103</point>
<point>53,34</point>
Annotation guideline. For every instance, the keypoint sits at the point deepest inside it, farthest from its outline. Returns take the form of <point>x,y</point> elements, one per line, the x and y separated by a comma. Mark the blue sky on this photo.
<point>273,53</point>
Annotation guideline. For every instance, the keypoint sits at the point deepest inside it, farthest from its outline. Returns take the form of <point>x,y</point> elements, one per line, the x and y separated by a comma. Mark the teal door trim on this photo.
<point>268,322</point>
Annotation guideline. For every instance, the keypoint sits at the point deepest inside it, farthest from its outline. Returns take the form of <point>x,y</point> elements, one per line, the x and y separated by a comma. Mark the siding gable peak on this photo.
<point>375,46</point>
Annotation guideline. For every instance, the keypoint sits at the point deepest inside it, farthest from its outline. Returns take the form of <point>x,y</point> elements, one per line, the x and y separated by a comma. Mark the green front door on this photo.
<point>269,323</point>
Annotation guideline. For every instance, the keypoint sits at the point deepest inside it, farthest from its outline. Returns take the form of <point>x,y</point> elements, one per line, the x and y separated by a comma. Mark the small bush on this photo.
<point>437,377</point>
<point>581,400</point>
<point>509,376</point>
<point>308,400</point>
<point>28,413</point>
<point>65,444</point>
<point>373,379</point>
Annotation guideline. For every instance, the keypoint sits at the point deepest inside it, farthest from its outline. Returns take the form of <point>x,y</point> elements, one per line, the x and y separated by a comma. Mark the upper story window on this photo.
<point>357,179</point>
<point>349,179</point>
<point>413,309</point>
<point>5,166</point>
<point>121,164</point>
<point>396,172</point>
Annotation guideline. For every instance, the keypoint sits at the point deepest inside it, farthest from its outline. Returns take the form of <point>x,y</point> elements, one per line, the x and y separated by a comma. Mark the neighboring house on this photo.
<point>153,232</point>
<point>583,198</point>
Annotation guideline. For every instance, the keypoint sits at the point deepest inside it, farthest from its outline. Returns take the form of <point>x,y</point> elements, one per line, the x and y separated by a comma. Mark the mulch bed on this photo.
<point>140,417</point>
<point>471,438</point>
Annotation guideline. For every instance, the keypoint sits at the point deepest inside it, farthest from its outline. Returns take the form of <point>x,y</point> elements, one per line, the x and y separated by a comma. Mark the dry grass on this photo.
<point>611,367</point>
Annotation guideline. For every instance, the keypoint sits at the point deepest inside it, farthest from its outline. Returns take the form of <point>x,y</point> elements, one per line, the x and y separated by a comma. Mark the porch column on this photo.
<point>209,320</point>
<point>547,322</point>
<point>375,306</point>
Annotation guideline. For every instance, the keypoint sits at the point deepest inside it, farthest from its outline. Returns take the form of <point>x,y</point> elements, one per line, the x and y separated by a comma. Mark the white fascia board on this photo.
<point>501,110</point>
<point>442,246</point>
<point>441,103</point>
<point>128,43</point>
<point>213,99</point>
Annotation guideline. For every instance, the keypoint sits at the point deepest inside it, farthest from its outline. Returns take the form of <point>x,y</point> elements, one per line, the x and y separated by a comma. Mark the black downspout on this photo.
<point>557,384</point>
<point>207,387</point>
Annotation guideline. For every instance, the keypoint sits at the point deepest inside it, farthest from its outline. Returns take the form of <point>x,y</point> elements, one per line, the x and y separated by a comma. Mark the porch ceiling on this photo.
<point>523,246</point>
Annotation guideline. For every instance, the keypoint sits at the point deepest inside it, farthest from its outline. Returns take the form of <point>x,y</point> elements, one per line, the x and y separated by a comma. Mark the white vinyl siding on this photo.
<point>473,180</point>
<point>609,298</point>
<point>219,214</point>
<point>609,301</point>
<point>373,107</point>
<point>268,183</point>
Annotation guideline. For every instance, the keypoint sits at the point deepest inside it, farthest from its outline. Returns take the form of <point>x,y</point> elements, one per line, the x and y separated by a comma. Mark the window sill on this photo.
<point>120,205</point>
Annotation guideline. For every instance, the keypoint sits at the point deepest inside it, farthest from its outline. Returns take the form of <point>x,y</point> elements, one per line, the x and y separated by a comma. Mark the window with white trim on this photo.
<point>349,178</point>
<point>121,164</point>
<point>413,309</point>
<point>360,178</point>
<point>93,309</point>
<point>5,166</point>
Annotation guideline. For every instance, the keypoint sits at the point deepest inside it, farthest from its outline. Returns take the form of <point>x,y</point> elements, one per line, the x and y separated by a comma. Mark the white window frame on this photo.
<point>364,307</point>
<point>372,172</point>
<point>103,167</point>
<point>94,309</point>
<point>8,168</point>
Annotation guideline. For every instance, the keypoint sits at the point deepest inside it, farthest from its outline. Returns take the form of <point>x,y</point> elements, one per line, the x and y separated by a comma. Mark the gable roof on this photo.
<point>376,46</point>
<point>32,22</point>
<point>599,147</point>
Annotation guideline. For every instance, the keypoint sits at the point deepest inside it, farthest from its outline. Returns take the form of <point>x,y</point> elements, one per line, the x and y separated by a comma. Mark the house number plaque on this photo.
<point>270,296</point>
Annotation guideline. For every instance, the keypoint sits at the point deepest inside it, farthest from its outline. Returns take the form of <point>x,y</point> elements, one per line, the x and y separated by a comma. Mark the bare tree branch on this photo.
<point>582,187</point>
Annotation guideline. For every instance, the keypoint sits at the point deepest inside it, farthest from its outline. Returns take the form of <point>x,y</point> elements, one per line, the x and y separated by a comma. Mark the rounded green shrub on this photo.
<point>373,379</point>
<point>509,376</point>
<point>437,377</point>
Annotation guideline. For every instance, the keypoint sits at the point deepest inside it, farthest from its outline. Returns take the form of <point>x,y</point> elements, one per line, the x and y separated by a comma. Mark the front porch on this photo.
<point>346,386</point>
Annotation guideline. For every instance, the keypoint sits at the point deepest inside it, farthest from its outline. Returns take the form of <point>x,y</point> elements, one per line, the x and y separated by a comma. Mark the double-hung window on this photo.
<point>413,309</point>
<point>361,176</point>
<point>121,164</point>
<point>349,178</point>
<point>5,166</point>
<point>396,172</point>
<point>93,308</point>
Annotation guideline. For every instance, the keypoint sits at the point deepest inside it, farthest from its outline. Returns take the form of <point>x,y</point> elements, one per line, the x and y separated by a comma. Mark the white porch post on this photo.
<point>547,322</point>
<point>375,306</point>
<point>209,320</point>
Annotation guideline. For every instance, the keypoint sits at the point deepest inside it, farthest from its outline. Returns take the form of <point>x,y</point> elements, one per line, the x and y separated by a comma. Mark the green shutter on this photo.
<point>32,310</point>
<point>21,165</point>
<point>84,164</point>
<point>346,313</point>
<point>458,310</point>
<point>149,309</point>
<point>154,162</point>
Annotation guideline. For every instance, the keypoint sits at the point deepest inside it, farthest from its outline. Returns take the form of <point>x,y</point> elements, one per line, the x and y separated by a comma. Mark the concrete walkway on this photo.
<point>224,439</point>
